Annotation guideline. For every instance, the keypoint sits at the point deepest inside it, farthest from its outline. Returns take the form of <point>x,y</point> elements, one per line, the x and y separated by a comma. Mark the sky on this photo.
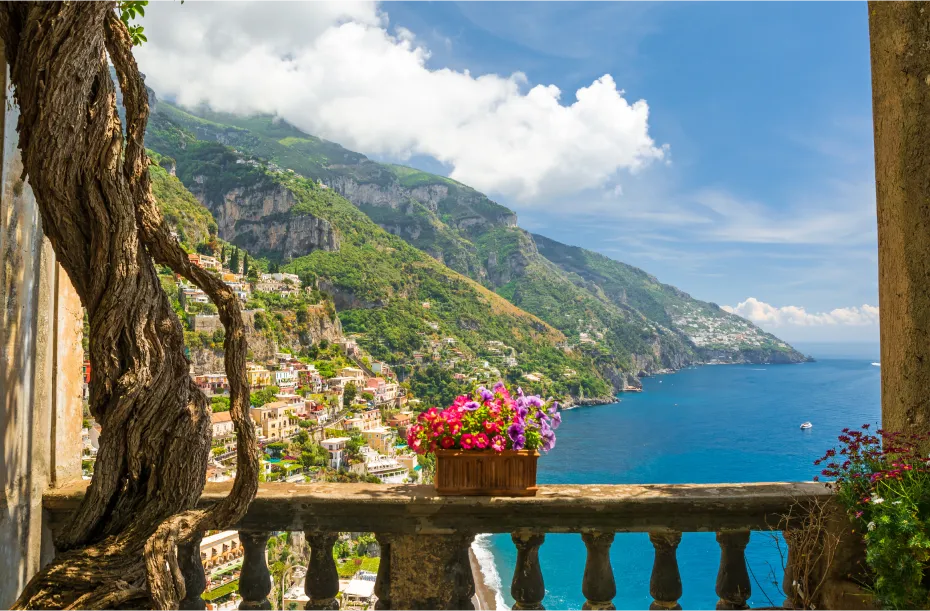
<point>726,148</point>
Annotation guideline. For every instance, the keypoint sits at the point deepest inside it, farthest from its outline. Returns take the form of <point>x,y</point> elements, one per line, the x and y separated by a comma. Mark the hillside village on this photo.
<point>327,413</point>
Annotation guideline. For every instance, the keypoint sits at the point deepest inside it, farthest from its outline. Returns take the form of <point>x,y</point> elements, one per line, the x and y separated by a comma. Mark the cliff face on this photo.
<point>316,324</point>
<point>258,218</point>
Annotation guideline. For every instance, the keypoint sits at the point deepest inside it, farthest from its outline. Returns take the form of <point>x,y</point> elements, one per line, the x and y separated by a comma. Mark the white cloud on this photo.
<point>768,315</point>
<point>336,70</point>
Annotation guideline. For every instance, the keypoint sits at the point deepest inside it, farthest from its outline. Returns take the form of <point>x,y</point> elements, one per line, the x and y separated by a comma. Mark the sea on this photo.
<point>709,424</point>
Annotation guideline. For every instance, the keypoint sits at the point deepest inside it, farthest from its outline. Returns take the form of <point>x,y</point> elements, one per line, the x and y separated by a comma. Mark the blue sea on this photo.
<point>723,423</point>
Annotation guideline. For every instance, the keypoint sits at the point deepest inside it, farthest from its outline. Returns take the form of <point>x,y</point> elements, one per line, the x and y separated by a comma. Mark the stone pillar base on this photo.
<point>431,572</point>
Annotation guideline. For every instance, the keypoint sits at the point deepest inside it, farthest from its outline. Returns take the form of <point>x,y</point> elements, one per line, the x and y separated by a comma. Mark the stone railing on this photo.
<point>425,538</point>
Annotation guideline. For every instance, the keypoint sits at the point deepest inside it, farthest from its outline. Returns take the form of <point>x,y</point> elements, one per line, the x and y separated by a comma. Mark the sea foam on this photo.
<point>492,579</point>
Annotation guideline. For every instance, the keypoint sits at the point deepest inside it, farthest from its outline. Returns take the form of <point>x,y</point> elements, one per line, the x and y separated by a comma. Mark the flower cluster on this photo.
<point>883,481</point>
<point>487,420</point>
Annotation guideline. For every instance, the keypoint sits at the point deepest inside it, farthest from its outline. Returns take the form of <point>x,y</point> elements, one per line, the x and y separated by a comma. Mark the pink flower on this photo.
<point>468,441</point>
<point>432,413</point>
<point>447,442</point>
<point>455,427</point>
<point>498,443</point>
<point>417,445</point>
<point>491,427</point>
<point>481,441</point>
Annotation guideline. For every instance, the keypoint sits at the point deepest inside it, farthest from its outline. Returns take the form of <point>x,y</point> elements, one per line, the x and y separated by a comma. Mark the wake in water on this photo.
<point>492,579</point>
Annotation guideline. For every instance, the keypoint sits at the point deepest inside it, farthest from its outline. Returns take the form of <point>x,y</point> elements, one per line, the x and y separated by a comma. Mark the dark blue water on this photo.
<point>721,424</point>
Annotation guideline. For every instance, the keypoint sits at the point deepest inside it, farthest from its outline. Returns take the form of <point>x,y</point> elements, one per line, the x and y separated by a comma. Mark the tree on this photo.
<point>234,260</point>
<point>273,268</point>
<point>263,396</point>
<point>219,404</point>
<point>92,188</point>
<point>349,392</point>
<point>245,265</point>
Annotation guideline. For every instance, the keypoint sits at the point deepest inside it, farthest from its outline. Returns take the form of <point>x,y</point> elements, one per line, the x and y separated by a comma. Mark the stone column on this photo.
<point>431,572</point>
<point>40,394</point>
<point>898,33</point>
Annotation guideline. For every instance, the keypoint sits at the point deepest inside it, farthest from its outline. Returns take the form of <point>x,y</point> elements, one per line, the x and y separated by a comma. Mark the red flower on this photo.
<point>447,442</point>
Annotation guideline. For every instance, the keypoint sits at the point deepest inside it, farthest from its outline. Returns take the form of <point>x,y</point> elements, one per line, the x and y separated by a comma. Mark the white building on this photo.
<point>336,447</point>
<point>360,591</point>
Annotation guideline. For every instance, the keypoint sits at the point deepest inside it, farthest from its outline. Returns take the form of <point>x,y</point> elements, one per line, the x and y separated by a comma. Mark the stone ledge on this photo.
<point>565,508</point>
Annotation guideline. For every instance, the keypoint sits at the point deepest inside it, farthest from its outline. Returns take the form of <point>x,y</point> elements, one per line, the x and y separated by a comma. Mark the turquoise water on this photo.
<point>734,423</point>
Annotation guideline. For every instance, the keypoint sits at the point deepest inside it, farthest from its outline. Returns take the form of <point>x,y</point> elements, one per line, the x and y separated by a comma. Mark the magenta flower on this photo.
<point>498,443</point>
<point>447,442</point>
<point>481,441</point>
<point>467,441</point>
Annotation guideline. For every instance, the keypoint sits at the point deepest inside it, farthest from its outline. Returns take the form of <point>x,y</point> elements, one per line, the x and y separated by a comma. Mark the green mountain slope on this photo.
<point>613,313</point>
<point>397,298</point>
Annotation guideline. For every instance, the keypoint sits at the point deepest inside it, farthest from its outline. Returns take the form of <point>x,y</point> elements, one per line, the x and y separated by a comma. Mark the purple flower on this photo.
<point>534,401</point>
<point>519,391</point>
<point>522,412</point>
<point>556,420</point>
<point>515,431</point>
<point>471,406</point>
<point>548,441</point>
<point>519,443</point>
<point>486,395</point>
<point>499,387</point>
<point>554,408</point>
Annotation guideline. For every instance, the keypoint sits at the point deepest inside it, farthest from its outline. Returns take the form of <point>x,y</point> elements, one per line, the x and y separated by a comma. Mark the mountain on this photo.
<point>398,299</point>
<point>618,316</point>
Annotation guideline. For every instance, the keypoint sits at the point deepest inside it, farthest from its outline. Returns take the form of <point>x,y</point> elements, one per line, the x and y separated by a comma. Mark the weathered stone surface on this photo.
<point>898,33</point>
<point>431,572</point>
<point>417,509</point>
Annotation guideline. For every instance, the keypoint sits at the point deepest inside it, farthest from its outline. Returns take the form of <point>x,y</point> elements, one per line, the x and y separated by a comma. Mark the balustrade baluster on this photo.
<point>383,582</point>
<point>598,584</point>
<point>665,583</point>
<point>793,590</point>
<point>195,581</point>
<point>322,584</point>
<point>528,588</point>
<point>254,578</point>
<point>733,586</point>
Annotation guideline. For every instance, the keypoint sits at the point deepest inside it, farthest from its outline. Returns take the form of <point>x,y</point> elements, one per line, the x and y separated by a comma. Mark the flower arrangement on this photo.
<point>487,420</point>
<point>883,481</point>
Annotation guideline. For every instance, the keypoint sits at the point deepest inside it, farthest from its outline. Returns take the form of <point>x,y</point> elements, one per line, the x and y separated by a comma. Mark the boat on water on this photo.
<point>807,425</point>
<point>876,364</point>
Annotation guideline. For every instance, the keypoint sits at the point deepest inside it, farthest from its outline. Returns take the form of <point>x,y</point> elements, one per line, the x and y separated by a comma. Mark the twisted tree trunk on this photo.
<point>92,189</point>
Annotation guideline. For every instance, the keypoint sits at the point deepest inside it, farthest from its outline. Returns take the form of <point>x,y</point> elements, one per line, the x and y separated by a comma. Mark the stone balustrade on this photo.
<point>425,538</point>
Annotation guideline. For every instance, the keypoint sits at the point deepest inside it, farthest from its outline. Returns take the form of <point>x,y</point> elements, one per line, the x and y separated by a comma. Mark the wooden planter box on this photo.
<point>486,472</point>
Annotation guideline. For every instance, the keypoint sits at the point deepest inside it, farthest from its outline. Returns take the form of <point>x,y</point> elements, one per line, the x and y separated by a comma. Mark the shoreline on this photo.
<point>485,598</point>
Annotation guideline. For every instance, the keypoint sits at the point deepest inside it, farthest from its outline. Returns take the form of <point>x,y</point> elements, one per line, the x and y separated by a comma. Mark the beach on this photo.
<point>485,598</point>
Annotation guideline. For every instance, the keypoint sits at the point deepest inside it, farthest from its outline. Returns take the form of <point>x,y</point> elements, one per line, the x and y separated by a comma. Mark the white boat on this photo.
<point>807,425</point>
<point>876,364</point>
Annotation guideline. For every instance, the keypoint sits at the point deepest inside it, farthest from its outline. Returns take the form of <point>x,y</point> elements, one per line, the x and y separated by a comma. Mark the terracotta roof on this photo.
<point>218,417</point>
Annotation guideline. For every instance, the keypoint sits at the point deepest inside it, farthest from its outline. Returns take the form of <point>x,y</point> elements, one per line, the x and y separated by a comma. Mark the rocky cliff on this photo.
<point>290,331</point>
<point>259,218</point>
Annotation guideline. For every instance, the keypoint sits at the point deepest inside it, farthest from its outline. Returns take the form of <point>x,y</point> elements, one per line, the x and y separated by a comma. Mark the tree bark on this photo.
<point>92,187</point>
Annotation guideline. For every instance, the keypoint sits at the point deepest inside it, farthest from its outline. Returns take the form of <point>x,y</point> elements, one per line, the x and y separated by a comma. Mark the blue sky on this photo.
<point>744,177</point>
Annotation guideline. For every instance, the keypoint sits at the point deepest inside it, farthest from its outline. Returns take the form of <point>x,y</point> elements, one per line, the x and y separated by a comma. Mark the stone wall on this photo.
<point>40,371</point>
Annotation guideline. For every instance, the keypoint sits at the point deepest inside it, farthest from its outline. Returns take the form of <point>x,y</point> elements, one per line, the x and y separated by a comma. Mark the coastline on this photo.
<point>488,585</point>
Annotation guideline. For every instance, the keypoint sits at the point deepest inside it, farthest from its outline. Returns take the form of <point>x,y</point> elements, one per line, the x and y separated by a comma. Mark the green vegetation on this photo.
<point>263,396</point>
<point>193,223</point>
<point>573,316</point>
<point>351,566</point>
<point>220,592</point>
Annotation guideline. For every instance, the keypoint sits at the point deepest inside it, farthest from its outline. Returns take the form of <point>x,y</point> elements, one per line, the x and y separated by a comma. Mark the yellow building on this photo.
<point>259,377</point>
<point>275,420</point>
<point>380,439</point>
